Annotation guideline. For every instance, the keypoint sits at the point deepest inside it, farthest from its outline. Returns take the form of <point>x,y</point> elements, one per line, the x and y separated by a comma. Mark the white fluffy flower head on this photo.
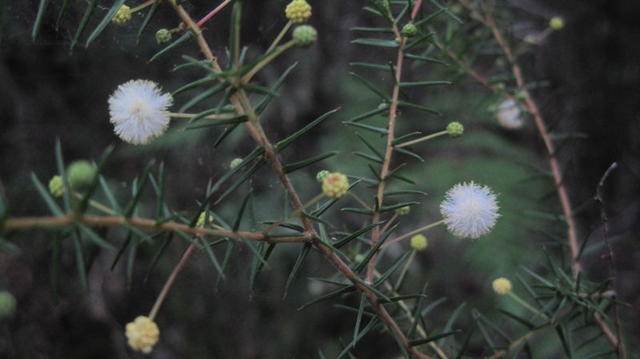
<point>469,210</point>
<point>138,110</point>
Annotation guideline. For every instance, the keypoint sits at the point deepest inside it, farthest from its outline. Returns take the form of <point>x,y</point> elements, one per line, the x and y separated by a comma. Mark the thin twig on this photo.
<point>21,223</point>
<point>169,283</point>
<point>611,259</point>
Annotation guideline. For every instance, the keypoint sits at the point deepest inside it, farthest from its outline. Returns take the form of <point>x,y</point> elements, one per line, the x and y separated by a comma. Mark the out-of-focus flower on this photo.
<point>56,186</point>
<point>419,242</point>
<point>138,111</point>
<point>502,286</point>
<point>80,174</point>
<point>203,221</point>
<point>469,210</point>
<point>509,116</point>
<point>556,23</point>
<point>235,163</point>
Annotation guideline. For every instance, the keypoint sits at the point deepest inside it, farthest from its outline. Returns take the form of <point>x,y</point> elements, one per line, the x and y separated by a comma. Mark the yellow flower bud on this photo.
<point>122,16</point>
<point>142,334</point>
<point>502,286</point>
<point>556,23</point>
<point>298,11</point>
<point>335,185</point>
<point>419,242</point>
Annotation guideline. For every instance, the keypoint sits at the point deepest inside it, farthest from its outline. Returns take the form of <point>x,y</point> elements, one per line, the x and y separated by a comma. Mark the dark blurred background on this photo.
<point>589,76</point>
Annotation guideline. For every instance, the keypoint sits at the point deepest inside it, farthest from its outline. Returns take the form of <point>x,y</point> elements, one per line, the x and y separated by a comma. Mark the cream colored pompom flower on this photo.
<point>469,210</point>
<point>138,110</point>
<point>142,334</point>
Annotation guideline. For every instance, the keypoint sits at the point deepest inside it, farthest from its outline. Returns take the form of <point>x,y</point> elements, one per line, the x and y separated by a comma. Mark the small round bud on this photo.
<point>203,221</point>
<point>320,176</point>
<point>163,35</point>
<point>122,16</point>
<point>81,174</point>
<point>298,11</point>
<point>359,258</point>
<point>7,304</point>
<point>402,211</point>
<point>455,129</point>
<point>409,30</point>
<point>556,23</point>
<point>142,334</point>
<point>235,163</point>
<point>502,286</point>
<point>335,185</point>
<point>56,186</point>
<point>419,242</point>
<point>305,35</point>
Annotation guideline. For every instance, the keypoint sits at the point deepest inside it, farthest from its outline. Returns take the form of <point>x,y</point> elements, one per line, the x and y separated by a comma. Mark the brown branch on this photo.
<point>21,223</point>
<point>242,105</point>
<point>532,107</point>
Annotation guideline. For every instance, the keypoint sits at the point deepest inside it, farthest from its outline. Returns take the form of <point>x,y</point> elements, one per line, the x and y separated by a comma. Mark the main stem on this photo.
<point>386,162</point>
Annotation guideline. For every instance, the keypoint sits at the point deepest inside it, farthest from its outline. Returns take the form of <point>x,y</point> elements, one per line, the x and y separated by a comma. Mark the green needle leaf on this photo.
<point>105,21</point>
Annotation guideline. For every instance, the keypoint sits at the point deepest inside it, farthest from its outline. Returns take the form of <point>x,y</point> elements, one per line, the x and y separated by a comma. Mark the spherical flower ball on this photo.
<point>305,35</point>
<point>335,185</point>
<point>409,30</point>
<point>142,334</point>
<point>122,16</point>
<point>419,242</point>
<point>502,286</point>
<point>7,304</point>
<point>80,174</point>
<point>403,211</point>
<point>138,110</point>
<point>56,186</point>
<point>556,23</point>
<point>298,11</point>
<point>455,129</point>
<point>163,35</point>
<point>509,116</point>
<point>469,210</point>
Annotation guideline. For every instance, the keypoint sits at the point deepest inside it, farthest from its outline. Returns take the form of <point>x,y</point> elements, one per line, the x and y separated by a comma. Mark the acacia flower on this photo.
<point>138,111</point>
<point>123,15</point>
<point>142,334</point>
<point>335,185</point>
<point>298,11</point>
<point>501,286</point>
<point>469,210</point>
